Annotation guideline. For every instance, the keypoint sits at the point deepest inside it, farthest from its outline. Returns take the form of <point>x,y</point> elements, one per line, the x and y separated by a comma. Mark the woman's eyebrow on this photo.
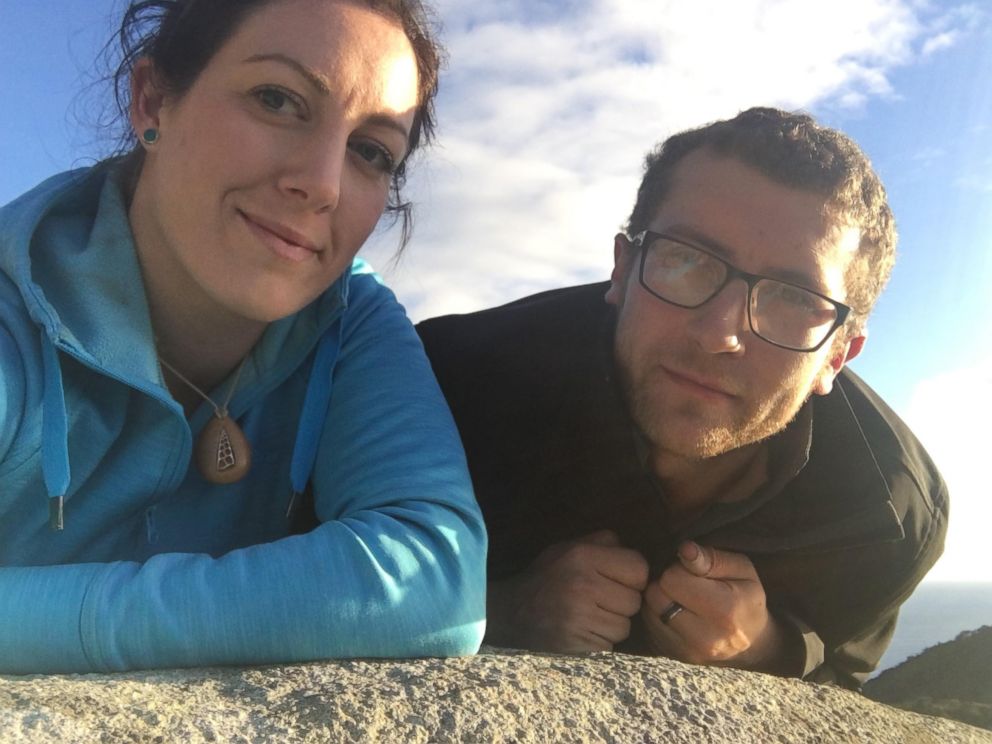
<point>382,120</point>
<point>316,79</point>
<point>319,81</point>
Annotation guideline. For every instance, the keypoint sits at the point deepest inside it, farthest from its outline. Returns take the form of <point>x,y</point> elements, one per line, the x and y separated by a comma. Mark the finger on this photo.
<point>697,559</point>
<point>606,538</point>
<point>702,595</point>
<point>659,603</point>
<point>611,627</point>
<point>587,628</point>
<point>656,599</point>
<point>686,636</point>
<point>584,643</point>
<point>711,563</point>
<point>591,642</point>
<point>624,566</point>
<point>594,637</point>
<point>619,564</point>
<point>664,639</point>
<point>618,599</point>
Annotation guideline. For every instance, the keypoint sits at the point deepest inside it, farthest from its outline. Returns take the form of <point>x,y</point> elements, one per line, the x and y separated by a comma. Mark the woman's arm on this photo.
<point>396,567</point>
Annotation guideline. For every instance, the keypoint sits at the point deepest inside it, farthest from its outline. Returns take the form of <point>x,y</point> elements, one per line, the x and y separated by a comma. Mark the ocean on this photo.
<point>937,612</point>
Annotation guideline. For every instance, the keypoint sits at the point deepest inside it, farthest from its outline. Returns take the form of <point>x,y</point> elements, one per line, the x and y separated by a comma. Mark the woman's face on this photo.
<point>273,168</point>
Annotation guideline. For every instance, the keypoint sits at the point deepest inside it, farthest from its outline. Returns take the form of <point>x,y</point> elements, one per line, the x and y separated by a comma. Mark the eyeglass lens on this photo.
<point>781,313</point>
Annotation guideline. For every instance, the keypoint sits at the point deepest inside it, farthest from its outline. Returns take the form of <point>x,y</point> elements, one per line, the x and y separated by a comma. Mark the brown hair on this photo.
<point>180,37</point>
<point>795,151</point>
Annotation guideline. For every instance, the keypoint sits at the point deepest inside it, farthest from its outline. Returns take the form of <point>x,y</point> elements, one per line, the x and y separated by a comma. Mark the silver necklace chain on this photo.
<point>221,411</point>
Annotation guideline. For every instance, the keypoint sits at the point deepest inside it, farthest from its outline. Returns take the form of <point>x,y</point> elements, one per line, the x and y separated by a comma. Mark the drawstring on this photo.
<point>314,413</point>
<point>54,435</point>
<point>55,429</point>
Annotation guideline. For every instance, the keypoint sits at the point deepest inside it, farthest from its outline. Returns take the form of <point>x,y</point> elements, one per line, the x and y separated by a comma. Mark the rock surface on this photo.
<point>498,696</point>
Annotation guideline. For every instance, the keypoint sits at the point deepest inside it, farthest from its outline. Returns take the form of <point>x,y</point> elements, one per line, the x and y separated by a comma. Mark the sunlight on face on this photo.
<point>400,76</point>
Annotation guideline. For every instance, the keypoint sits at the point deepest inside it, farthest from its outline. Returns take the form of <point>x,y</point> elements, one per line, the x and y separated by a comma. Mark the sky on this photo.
<point>546,111</point>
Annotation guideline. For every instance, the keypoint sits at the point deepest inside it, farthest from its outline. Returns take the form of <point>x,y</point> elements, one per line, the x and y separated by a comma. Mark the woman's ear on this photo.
<point>147,97</point>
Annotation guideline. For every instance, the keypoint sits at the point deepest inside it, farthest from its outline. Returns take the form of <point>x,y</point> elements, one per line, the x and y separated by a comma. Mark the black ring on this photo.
<point>670,612</point>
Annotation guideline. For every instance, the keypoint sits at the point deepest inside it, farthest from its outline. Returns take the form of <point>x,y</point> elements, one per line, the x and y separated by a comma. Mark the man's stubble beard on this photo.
<point>748,424</point>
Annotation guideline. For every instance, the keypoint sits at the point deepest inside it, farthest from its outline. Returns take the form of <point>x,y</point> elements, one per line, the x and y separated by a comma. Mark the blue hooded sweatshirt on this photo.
<point>156,567</point>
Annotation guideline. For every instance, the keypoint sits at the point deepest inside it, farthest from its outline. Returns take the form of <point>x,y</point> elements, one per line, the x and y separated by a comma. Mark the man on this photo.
<point>678,462</point>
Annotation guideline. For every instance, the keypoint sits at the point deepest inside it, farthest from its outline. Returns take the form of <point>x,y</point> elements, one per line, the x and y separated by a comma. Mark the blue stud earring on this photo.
<point>150,136</point>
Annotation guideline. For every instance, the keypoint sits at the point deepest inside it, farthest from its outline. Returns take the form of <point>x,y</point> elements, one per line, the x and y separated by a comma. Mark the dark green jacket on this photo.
<point>839,541</point>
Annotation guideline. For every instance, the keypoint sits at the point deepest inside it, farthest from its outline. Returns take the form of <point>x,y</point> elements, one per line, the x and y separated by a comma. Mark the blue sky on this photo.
<point>547,109</point>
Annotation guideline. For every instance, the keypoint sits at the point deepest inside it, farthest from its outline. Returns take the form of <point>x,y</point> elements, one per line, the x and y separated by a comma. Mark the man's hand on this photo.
<point>724,621</point>
<point>576,597</point>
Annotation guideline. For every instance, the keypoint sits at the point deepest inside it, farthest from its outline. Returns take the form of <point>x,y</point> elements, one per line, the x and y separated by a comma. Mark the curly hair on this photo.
<point>792,150</point>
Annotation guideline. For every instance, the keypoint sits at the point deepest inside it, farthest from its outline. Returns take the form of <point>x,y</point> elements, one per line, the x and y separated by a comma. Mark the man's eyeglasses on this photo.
<point>783,314</point>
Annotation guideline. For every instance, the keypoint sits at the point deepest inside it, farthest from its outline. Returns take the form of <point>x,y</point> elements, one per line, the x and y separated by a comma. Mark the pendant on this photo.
<point>223,454</point>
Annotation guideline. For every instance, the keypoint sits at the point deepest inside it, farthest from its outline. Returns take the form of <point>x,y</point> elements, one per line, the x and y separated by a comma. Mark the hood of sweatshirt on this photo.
<point>68,248</point>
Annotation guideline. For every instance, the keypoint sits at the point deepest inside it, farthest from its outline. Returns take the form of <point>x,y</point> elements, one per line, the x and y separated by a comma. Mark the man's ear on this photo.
<point>832,367</point>
<point>623,256</point>
<point>147,97</point>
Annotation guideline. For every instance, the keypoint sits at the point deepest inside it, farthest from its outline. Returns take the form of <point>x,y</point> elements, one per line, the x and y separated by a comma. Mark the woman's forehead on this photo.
<point>345,46</point>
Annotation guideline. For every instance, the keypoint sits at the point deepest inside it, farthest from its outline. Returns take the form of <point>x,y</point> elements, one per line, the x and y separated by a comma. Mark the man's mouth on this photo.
<point>701,385</point>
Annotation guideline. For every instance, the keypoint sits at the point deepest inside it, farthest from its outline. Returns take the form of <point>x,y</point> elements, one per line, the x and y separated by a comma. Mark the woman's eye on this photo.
<point>374,154</point>
<point>279,101</point>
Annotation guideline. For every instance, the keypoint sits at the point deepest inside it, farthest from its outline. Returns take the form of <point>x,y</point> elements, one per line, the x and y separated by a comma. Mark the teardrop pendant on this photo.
<point>223,454</point>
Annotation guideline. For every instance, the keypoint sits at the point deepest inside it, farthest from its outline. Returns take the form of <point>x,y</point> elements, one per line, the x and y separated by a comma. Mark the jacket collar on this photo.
<point>72,255</point>
<point>838,497</point>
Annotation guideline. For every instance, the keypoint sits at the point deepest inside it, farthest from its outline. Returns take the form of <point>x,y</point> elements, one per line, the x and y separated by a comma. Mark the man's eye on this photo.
<point>797,298</point>
<point>679,258</point>
<point>374,154</point>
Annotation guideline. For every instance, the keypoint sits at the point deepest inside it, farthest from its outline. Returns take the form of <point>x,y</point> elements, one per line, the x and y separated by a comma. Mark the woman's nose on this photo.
<point>316,172</point>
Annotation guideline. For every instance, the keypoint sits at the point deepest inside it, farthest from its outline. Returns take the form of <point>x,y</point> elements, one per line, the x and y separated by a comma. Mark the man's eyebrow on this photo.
<point>696,237</point>
<point>316,79</point>
<point>692,235</point>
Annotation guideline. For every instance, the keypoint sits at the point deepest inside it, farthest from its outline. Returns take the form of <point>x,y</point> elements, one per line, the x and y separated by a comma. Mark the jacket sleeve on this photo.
<point>848,649</point>
<point>396,568</point>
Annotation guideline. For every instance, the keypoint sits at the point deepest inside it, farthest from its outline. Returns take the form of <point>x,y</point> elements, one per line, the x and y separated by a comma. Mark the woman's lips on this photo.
<point>281,240</point>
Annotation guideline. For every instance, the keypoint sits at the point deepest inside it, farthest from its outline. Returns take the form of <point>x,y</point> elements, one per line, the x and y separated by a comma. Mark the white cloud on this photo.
<point>549,106</point>
<point>938,42</point>
<point>950,414</point>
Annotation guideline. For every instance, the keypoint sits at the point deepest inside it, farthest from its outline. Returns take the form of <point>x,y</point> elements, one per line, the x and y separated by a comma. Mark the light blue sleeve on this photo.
<point>397,567</point>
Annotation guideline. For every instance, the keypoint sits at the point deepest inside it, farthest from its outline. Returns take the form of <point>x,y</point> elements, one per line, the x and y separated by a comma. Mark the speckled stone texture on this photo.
<point>498,696</point>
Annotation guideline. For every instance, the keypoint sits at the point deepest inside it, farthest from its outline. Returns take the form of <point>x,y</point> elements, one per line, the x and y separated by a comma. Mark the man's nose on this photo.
<point>721,324</point>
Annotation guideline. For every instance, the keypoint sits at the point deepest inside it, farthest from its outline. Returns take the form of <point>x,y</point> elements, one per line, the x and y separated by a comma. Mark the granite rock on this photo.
<point>498,696</point>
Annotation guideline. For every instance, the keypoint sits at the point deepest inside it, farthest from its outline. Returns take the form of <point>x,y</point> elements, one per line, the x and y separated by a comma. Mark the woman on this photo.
<point>189,351</point>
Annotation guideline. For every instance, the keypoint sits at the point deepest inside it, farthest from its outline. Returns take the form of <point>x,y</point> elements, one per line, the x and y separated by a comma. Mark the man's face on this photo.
<point>699,383</point>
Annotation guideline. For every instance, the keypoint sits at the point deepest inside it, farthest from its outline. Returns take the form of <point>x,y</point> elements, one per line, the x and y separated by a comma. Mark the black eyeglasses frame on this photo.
<point>643,240</point>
